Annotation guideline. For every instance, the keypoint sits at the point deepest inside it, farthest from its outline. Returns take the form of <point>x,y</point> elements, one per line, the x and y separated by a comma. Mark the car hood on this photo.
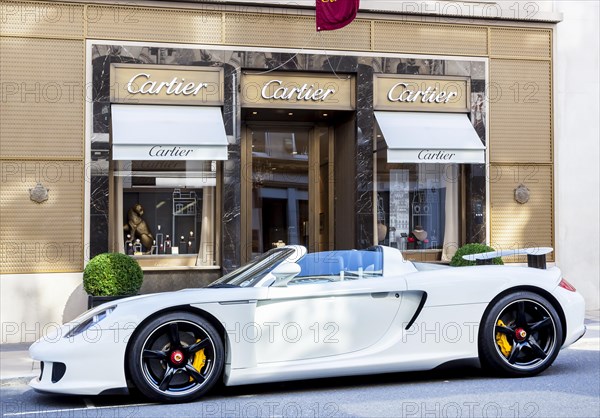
<point>136,308</point>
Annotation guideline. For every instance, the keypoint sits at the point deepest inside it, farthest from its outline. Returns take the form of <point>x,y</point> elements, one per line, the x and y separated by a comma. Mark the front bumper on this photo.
<point>94,362</point>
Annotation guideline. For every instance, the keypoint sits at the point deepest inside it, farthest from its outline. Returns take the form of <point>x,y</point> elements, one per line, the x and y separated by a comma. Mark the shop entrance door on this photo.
<point>289,187</point>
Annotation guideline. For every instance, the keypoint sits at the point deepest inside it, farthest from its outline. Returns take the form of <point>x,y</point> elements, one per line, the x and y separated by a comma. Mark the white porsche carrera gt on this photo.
<point>290,315</point>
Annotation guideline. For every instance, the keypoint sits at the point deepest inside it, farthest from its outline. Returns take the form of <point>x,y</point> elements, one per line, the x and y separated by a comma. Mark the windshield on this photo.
<point>255,270</point>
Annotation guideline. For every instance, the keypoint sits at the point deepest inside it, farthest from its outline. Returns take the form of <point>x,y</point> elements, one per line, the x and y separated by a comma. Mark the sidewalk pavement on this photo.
<point>16,367</point>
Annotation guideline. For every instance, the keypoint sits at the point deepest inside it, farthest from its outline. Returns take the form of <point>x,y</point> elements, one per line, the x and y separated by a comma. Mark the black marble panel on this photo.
<point>364,156</point>
<point>475,202</point>
<point>232,194</point>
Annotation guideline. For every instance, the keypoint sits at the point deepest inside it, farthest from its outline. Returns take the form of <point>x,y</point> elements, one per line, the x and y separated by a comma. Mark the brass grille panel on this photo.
<point>515,225</point>
<point>520,111</point>
<point>294,32</point>
<point>430,39</point>
<point>41,19</point>
<point>513,42</point>
<point>42,98</point>
<point>160,25</point>
<point>41,237</point>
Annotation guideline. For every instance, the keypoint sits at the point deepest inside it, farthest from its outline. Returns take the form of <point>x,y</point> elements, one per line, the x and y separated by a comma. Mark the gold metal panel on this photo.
<point>515,225</point>
<point>428,94</point>
<point>520,111</point>
<point>298,91</point>
<point>521,42</point>
<point>422,38</point>
<point>293,31</point>
<point>150,24</point>
<point>42,101</point>
<point>47,236</point>
<point>19,18</point>
<point>170,84</point>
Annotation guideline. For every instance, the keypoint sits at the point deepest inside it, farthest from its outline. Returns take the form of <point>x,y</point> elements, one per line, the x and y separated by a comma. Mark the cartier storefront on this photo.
<point>208,158</point>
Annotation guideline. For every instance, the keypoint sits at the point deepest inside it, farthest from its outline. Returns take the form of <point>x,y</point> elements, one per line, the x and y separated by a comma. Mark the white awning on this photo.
<point>157,132</point>
<point>424,137</point>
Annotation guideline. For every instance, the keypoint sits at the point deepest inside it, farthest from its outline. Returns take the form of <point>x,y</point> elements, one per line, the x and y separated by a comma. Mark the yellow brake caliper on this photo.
<point>502,341</point>
<point>198,361</point>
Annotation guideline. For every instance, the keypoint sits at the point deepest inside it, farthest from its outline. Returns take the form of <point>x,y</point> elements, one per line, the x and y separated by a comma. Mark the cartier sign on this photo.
<point>449,94</point>
<point>164,84</point>
<point>275,89</point>
<point>297,91</point>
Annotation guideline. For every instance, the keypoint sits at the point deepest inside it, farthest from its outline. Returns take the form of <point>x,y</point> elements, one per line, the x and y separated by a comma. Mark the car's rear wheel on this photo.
<point>177,357</point>
<point>521,335</point>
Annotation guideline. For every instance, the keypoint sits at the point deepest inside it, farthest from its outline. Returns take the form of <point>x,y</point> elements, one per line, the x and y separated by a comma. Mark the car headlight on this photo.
<point>89,322</point>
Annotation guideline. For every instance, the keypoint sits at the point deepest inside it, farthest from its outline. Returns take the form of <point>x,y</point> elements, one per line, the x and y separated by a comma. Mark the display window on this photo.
<point>427,210</point>
<point>167,210</point>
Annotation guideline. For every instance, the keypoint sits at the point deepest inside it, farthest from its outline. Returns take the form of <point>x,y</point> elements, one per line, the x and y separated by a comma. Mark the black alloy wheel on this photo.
<point>521,335</point>
<point>176,358</point>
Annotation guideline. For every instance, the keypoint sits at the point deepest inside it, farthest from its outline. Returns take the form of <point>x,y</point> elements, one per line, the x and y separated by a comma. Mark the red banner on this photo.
<point>335,14</point>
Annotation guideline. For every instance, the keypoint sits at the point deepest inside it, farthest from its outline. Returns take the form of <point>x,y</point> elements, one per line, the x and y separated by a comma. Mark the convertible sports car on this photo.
<point>290,315</point>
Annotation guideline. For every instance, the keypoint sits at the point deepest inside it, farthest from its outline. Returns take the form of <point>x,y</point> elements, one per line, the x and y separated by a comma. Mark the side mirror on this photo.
<point>285,272</point>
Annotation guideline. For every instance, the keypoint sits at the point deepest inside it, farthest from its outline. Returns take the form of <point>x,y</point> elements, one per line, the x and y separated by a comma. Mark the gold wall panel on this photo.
<point>403,37</point>
<point>520,111</point>
<point>160,25</point>
<point>42,98</point>
<point>515,225</point>
<point>291,31</point>
<point>41,237</point>
<point>41,19</point>
<point>516,42</point>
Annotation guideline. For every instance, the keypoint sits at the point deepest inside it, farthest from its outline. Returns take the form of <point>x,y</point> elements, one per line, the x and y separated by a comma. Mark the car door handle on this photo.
<point>381,295</point>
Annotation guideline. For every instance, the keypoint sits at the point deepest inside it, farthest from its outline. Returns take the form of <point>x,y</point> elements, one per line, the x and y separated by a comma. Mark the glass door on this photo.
<point>289,177</point>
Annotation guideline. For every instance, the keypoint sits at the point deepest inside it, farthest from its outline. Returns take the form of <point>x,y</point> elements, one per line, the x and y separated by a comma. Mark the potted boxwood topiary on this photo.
<point>475,248</point>
<point>111,276</point>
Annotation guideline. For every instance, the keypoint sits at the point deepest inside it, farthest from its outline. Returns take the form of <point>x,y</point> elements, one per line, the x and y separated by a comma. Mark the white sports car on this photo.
<point>291,315</point>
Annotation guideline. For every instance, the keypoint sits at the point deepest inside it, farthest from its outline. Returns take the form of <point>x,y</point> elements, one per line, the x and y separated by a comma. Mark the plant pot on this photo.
<point>94,301</point>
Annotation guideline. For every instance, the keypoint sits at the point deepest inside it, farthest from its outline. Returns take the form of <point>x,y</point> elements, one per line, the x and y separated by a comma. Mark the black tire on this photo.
<point>161,355</point>
<point>531,327</point>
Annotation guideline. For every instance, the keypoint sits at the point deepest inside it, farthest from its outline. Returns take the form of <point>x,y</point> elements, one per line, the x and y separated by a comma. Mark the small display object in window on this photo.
<point>278,244</point>
<point>418,238</point>
<point>128,245</point>
<point>182,245</point>
<point>191,243</point>
<point>137,247</point>
<point>160,241</point>
<point>168,246</point>
<point>185,215</point>
<point>137,226</point>
<point>154,249</point>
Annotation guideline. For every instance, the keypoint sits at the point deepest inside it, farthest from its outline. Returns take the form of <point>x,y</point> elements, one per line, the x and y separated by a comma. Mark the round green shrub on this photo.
<point>459,261</point>
<point>112,274</point>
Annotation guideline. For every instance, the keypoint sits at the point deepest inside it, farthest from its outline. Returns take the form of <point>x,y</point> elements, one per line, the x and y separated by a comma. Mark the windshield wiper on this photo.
<point>220,285</point>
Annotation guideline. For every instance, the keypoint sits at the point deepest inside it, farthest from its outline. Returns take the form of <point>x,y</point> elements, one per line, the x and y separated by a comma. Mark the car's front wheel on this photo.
<point>521,335</point>
<point>177,357</point>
